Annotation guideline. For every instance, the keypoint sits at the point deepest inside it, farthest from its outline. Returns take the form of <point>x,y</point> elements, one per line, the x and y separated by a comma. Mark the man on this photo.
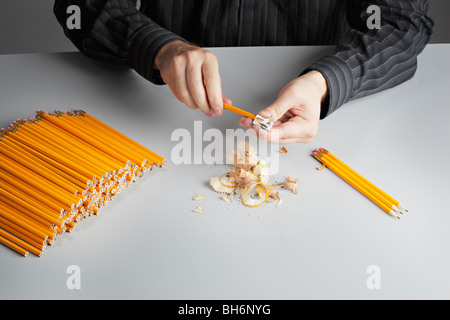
<point>163,40</point>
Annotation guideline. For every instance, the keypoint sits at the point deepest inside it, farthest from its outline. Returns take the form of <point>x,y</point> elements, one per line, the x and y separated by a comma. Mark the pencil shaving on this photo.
<point>283,150</point>
<point>321,167</point>
<point>197,196</point>
<point>255,195</point>
<point>245,157</point>
<point>291,184</point>
<point>249,179</point>
<point>199,209</point>
<point>218,186</point>
<point>275,195</point>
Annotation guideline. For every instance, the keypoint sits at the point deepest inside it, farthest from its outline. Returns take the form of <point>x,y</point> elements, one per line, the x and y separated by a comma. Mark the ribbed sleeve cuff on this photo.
<point>145,45</point>
<point>339,79</point>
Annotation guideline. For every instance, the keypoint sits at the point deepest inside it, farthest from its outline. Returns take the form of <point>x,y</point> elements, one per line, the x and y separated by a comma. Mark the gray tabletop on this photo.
<point>327,242</point>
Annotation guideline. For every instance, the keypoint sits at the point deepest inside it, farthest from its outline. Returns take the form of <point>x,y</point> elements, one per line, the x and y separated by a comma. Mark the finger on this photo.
<point>295,129</point>
<point>277,135</point>
<point>213,85</point>
<point>246,122</point>
<point>181,89</point>
<point>285,117</point>
<point>197,89</point>
<point>283,132</point>
<point>269,136</point>
<point>272,137</point>
<point>277,109</point>
<point>226,100</point>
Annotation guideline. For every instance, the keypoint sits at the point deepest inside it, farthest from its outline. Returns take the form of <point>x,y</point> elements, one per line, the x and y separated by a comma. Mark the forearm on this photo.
<point>369,61</point>
<point>116,32</point>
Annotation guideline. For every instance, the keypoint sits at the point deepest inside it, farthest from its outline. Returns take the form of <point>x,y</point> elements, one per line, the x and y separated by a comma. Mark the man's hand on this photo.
<point>296,112</point>
<point>192,73</point>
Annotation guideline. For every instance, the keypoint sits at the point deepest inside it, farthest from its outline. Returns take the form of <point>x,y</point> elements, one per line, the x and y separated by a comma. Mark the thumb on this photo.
<point>277,109</point>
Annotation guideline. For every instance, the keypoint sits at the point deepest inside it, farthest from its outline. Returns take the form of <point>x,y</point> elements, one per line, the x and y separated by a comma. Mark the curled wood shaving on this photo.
<point>199,209</point>
<point>249,179</point>
<point>275,195</point>
<point>246,183</point>
<point>291,184</point>
<point>255,195</point>
<point>197,196</point>
<point>218,186</point>
<point>244,157</point>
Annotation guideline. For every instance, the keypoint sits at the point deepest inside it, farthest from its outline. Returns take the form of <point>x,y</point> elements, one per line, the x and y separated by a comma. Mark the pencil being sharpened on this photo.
<point>262,122</point>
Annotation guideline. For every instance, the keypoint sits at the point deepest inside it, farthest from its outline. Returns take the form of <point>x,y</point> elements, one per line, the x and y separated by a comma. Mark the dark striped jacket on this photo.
<point>365,61</point>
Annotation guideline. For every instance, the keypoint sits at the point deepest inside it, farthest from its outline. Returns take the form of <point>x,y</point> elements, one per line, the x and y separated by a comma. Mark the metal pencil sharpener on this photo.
<point>264,123</point>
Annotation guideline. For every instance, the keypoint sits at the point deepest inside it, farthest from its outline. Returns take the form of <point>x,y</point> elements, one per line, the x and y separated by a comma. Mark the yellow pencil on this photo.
<point>59,168</point>
<point>368,189</point>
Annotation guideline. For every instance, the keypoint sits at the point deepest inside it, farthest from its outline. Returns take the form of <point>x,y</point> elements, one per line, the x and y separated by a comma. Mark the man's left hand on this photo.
<point>296,112</point>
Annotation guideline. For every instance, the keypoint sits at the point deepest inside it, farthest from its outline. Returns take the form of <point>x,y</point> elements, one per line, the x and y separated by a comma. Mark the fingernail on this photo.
<point>218,111</point>
<point>211,114</point>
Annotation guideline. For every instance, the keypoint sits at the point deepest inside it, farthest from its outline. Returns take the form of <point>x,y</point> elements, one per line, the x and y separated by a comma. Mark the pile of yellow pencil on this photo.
<point>372,192</point>
<point>58,168</point>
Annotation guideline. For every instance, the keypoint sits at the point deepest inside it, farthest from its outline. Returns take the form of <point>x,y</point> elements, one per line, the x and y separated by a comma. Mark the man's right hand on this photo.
<point>192,73</point>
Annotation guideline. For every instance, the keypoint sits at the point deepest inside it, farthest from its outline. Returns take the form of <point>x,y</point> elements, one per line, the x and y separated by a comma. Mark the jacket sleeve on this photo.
<point>367,61</point>
<point>115,31</point>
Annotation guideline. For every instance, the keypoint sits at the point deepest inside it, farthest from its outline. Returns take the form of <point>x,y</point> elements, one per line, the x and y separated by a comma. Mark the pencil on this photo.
<point>38,244</point>
<point>239,111</point>
<point>368,189</point>
<point>33,192</point>
<point>370,185</point>
<point>14,246</point>
<point>109,129</point>
<point>58,169</point>
<point>18,230</point>
<point>20,243</point>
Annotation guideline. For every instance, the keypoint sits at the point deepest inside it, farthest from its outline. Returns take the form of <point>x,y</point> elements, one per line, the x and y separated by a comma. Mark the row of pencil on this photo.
<point>59,168</point>
<point>383,200</point>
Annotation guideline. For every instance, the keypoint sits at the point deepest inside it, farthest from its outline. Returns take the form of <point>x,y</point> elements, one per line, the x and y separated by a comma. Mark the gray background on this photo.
<point>29,26</point>
<point>316,245</point>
